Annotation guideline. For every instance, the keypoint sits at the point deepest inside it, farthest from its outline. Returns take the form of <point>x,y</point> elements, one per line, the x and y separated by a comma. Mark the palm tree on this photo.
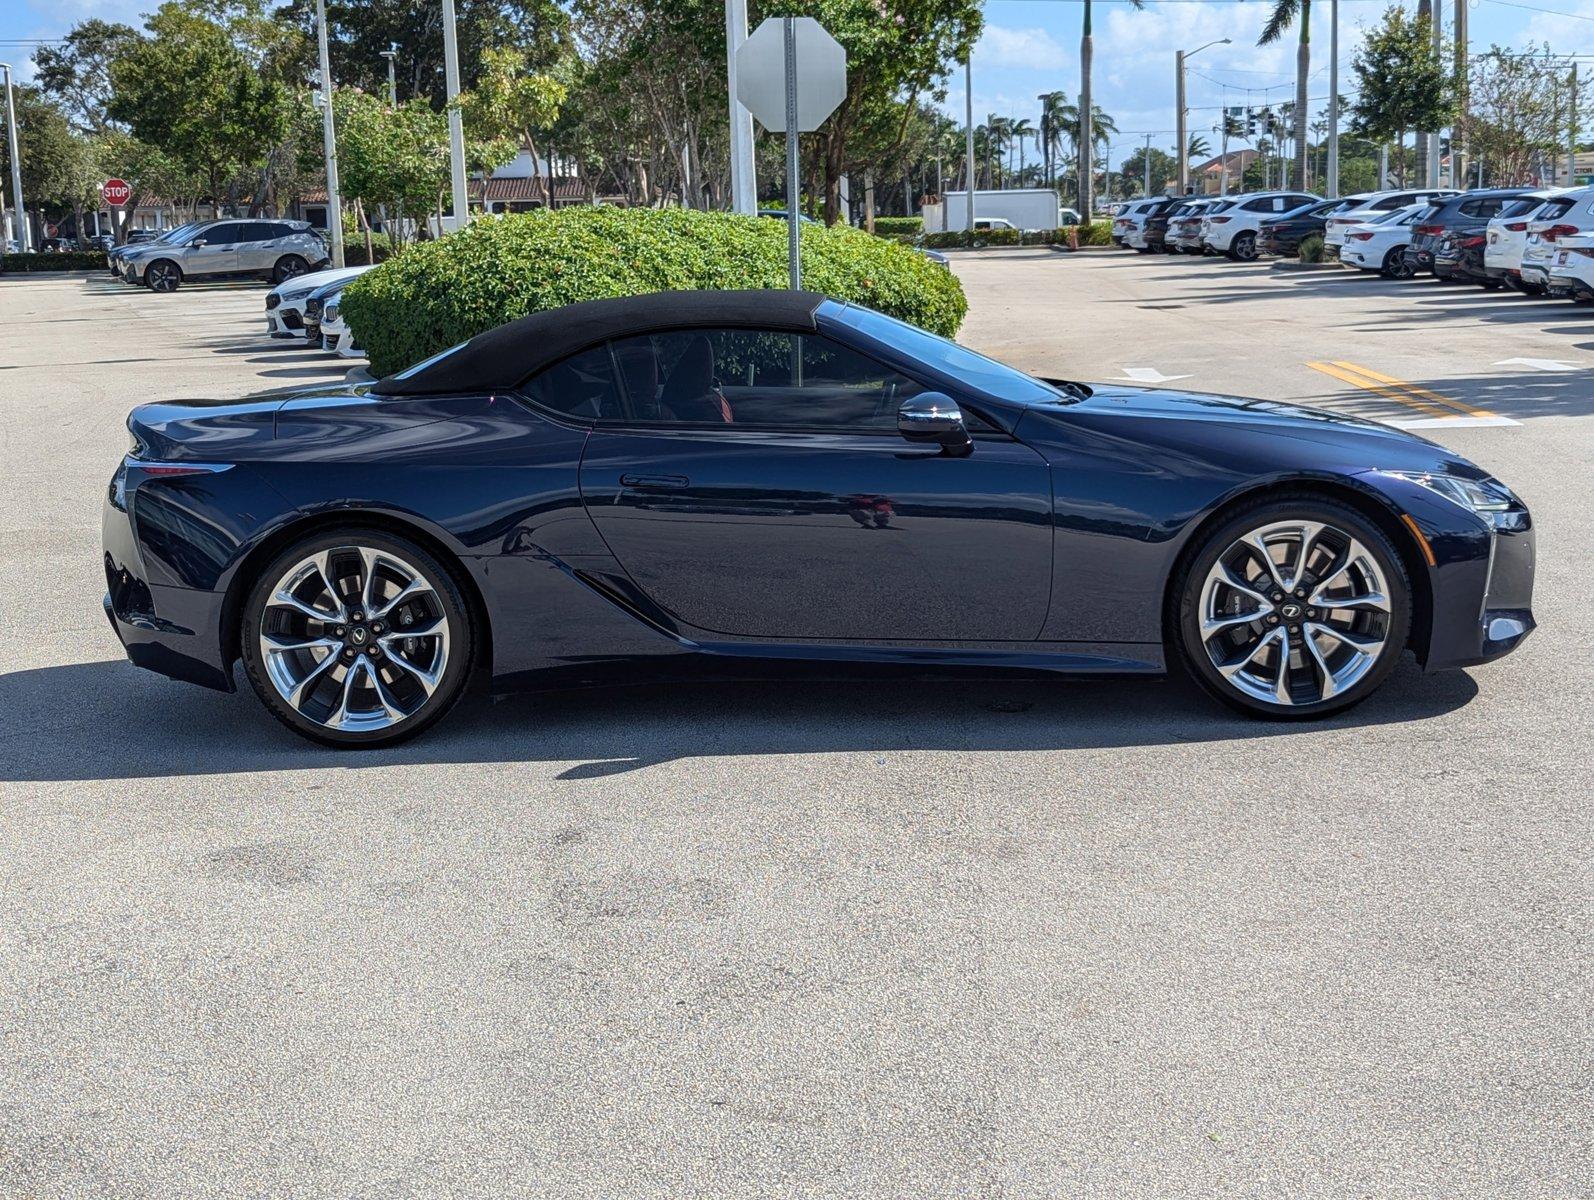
<point>1285,11</point>
<point>1087,110</point>
<point>1021,130</point>
<point>998,134</point>
<point>1198,148</point>
<point>1051,116</point>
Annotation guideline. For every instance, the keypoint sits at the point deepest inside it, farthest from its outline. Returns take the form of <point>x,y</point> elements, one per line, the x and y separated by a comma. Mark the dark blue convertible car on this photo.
<point>729,482</point>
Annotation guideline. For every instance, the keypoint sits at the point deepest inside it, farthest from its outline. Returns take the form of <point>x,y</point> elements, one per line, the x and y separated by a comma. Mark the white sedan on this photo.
<point>285,302</point>
<point>336,335</point>
<point>1380,244</point>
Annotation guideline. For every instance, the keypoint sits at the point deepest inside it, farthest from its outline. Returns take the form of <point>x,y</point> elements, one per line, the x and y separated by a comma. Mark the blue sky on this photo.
<point>1032,46</point>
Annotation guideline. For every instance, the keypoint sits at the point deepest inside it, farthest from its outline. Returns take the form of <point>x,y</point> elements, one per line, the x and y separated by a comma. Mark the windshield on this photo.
<point>986,374</point>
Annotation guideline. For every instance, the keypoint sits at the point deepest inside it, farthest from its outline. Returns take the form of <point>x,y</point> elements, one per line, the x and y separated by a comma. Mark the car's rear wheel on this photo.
<point>288,267</point>
<point>357,638</point>
<point>163,275</point>
<point>1396,266</point>
<point>1244,248</point>
<point>1292,609</point>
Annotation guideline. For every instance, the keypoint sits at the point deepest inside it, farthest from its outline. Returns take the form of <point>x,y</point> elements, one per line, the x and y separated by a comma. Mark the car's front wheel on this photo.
<point>1292,609</point>
<point>163,276</point>
<point>357,638</point>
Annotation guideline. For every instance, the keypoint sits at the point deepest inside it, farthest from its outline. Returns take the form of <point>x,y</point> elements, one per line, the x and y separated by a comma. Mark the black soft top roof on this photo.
<point>500,358</point>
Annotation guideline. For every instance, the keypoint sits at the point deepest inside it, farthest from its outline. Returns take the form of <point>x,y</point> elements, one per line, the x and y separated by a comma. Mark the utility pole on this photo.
<point>329,138</point>
<point>968,133</point>
<point>1439,55</point>
<point>1148,164</point>
<point>1223,152</point>
<point>1331,186</point>
<point>1571,132</point>
<point>1178,112</point>
<point>24,232</point>
<point>456,120</point>
<point>391,54</point>
<point>1460,136</point>
<point>744,178</point>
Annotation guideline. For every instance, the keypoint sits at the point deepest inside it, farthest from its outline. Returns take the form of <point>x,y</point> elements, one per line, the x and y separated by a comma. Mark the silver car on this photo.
<point>269,248</point>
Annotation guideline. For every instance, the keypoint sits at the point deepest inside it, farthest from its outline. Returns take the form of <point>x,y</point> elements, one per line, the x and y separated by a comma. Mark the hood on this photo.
<point>316,280</point>
<point>1267,429</point>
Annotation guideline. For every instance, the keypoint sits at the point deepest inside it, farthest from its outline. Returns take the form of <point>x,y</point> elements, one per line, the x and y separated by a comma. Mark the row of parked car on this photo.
<point>1537,241</point>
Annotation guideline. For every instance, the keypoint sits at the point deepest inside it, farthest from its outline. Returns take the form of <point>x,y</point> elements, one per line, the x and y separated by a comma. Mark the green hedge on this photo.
<point>1096,234</point>
<point>1312,248</point>
<point>438,293</point>
<point>67,260</point>
<point>887,226</point>
<point>354,249</point>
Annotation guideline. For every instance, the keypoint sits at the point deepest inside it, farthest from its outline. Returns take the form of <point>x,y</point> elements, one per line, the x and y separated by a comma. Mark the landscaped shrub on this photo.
<point>438,293</point>
<point>354,249</point>
<point>66,260</point>
<point>1098,234</point>
<point>1312,248</point>
<point>891,225</point>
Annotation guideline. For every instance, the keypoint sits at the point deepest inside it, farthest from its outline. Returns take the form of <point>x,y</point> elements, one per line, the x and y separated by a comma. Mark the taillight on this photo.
<point>1472,243</point>
<point>1555,231</point>
<point>1218,220</point>
<point>1585,251</point>
<point>1518,227</point>
<point>1432,230</point>
<point>1361,237</point>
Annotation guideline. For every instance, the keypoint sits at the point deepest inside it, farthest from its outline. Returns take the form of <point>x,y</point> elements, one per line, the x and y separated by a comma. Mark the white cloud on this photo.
<point>1032,49</point>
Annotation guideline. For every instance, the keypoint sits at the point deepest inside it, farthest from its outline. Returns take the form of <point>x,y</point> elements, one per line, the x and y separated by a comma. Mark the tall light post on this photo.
<point>1178,99</point>
<point>329,138</point>
<point>1331,186</point>
<point>391,54</point>
<point>456,120</point>
<point>968,133</point>
<point>24,233</point>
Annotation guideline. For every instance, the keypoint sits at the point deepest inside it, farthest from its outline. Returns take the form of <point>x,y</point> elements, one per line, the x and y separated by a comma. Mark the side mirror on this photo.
<point>196,243</point>
<point>935,417</point>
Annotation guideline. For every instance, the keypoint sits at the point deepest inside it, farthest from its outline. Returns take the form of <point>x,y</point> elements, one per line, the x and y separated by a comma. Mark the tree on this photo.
<point>1402,82</point>
<point>48,148</point>
<point>1284,12</point>
<point>359,30</point>
<point>77,72</point>
<point>1514,116</point>
<point>1197,147</point>
<point>1163,169</point>
<point>1087,112</point>
<point>511,101</point>
<point>158,80</point>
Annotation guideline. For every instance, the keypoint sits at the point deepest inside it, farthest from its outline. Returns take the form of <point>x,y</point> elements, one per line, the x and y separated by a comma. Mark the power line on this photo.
<point>1553,12</point>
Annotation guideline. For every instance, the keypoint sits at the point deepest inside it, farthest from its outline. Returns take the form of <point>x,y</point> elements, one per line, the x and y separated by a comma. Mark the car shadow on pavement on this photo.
<point>109,720</point>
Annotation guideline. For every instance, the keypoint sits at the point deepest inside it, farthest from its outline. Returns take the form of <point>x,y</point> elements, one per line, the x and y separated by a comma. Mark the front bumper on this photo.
<point>285,322</point>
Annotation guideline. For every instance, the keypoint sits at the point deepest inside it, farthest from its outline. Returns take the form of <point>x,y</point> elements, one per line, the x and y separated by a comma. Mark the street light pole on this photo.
<point>968,133</point>
<point>1332,185</point>
<point>456,120</point>
<point>329,138</point>
<point>24,233</point>
<point>744,179</point>
<point>1178,92</point>
<point>1148,164</point>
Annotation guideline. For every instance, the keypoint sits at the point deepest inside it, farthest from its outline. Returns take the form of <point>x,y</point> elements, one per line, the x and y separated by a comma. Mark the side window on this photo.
<point>255,231</point>
<point>220,235</point>
<point>581,386</point>
<point>1263,205</point>
<point>757,378</point>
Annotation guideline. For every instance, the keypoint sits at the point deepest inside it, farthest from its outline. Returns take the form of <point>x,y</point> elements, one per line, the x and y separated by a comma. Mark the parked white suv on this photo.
<point>1233,231</point>
<point>1565,215</point>
<point>1374,205</point>
<point>1130,220</point>
<point>1572,267</point>
<point>1507,237</point>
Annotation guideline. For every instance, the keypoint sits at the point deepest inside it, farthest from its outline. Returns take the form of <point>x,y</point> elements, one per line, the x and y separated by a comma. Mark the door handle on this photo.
<point>655,483</point>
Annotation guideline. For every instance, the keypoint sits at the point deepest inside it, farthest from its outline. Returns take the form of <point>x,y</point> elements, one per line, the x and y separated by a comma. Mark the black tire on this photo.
<point>1188,649</point>
<point>444,588</point>
<point>1243,248</point>
<point>1395,265</point>
<point>163,275</point>
<point>289,266</point>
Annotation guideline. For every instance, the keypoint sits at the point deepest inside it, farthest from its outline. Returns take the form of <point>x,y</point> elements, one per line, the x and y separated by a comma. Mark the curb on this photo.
<point>1287,265</point>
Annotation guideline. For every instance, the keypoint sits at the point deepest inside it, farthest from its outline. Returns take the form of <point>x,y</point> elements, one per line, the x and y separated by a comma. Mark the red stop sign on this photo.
<point>116,192</point>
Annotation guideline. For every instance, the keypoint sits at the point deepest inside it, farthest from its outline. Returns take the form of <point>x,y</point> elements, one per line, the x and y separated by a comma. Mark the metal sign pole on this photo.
<point>744,181</point>
<point>793,257</point>
<point>329,139</point>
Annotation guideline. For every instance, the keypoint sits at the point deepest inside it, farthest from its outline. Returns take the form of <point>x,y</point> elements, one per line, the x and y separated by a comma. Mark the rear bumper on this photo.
<point>172,631</point>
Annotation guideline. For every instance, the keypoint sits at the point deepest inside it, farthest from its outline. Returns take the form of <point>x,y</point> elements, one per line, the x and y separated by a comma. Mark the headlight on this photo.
<point>331,314</point>
<point>1474,495</point>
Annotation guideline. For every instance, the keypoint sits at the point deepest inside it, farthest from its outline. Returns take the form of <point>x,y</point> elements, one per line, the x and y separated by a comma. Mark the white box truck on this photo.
<point>1020,208</point>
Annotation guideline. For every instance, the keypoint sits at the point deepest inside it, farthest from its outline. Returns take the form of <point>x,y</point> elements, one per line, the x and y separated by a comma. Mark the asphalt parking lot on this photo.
<point>994,939</point>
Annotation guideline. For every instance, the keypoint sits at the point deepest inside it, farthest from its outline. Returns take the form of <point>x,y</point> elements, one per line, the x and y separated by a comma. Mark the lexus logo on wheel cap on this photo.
<point>1290,612</point>
<point>357,635</point>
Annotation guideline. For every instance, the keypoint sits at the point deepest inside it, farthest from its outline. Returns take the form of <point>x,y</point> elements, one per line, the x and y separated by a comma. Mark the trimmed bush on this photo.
<point>1098,234</point>
<point>438,293</point>
<point>1312,248</point>
<point>354,249</point>
<point>887,226</point>
<point>67,260</point>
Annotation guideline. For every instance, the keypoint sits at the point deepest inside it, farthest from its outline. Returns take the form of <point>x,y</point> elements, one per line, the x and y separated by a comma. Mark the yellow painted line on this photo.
<point>1366,385</point>
<point>1414,390</point>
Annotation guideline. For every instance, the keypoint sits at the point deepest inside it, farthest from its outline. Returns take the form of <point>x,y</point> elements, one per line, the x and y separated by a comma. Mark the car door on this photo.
<point>213,250</point>
<point>755,485</point>
<point>255,246</point>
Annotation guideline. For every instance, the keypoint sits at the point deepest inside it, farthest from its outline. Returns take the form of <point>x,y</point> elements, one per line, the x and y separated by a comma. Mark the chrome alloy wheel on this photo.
<point>1295,613</point>
<point>354,639</point>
